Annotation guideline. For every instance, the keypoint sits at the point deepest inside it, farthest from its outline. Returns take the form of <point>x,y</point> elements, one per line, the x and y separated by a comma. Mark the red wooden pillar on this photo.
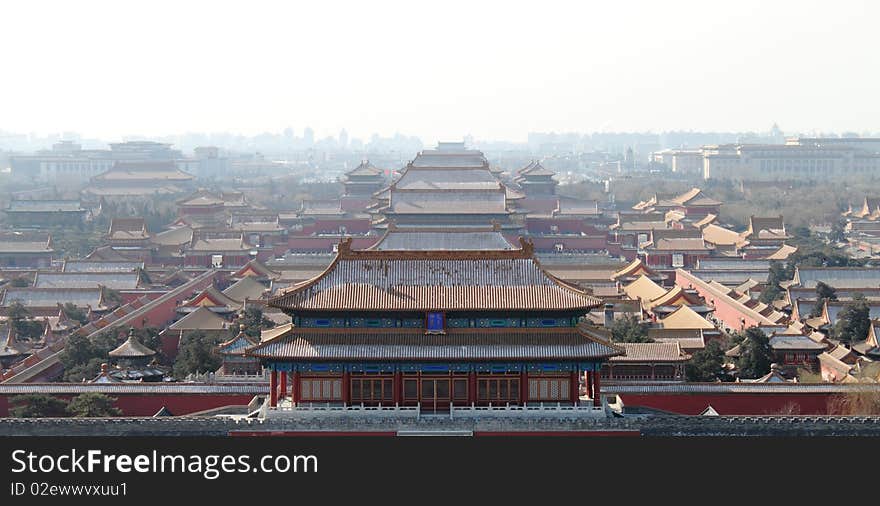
<point>346,388</point>
<point>472,387</point>
<point>273,388</point>
<point>523,388</point>
<point>295,388</point>
<point>573,388</point>
<point>589,375</point>
<point>397,387</point>
<point>597,395</point>
<point>282,388</point>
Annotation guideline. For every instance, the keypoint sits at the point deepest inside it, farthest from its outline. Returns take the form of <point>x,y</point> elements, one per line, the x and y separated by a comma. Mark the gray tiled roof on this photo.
<point>43,206</point>
<point>50,297</point>
<point>440,284</point>
<point>95,266</point>
<point>112,280</point>
<point>399,240</point>
<point>794,342</point>
<point>456,344</point>
<point>850,277</point>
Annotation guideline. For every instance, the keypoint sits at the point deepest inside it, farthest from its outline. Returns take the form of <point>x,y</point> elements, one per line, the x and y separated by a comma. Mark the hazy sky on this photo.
<point>441,69</point>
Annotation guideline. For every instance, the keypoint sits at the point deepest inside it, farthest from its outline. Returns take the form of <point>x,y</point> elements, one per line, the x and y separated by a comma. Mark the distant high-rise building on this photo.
<point>309,136</point>
<point>343,139</point>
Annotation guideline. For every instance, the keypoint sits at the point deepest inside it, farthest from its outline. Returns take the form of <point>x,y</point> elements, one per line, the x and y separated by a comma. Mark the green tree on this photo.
<point>196,355</point>
<point>853,320</point>
<point>779,272</point>
<point>20,283</point>
<point>93,404</point>
<point>824,293</point>
<point>630,330</point>
<point>112,297</point>
<point>37,406</point>
<point>254,322</point>
<point>74,313</point>
<point>82,356</point>
<point>17,312</point>
<point>755,354</point>
<point>144,276</point>
<point>705,364</point>
<point>838,233</point>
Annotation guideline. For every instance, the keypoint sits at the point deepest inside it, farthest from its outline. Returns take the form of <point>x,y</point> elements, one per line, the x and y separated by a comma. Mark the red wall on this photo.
<point>733,403</point>
<point>149,404</point>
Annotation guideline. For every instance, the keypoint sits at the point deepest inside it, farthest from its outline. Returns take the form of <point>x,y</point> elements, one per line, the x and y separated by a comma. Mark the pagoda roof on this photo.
<point>131,348</point>
<point>200,319</point>
<point>561,343</point>
<point>436,280</point>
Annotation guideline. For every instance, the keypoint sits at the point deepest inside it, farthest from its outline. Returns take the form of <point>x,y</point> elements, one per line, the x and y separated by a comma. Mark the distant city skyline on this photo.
<point>494,71</point>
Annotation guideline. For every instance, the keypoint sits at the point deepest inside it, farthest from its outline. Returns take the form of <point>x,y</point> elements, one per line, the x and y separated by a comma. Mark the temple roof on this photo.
<point>16,242</point>
<point>365,169</point>
<point>212,297</point>
<point>674,295</point>
<point>131,348</point>
<point>441,240</point>
<point>257,269</point>
<point>143,170</point>
<point>461,202</point>
<point>219,244</point>
<point>245,288</point>
<point>434,280</point>
<point>651,352</point>
<point>644,289</point>
<point>686,318</point>
<point>634,269</point>
<point>128,229</point>
<point>200,319</point>
<point>562,343</point>
<point>237,345</point>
